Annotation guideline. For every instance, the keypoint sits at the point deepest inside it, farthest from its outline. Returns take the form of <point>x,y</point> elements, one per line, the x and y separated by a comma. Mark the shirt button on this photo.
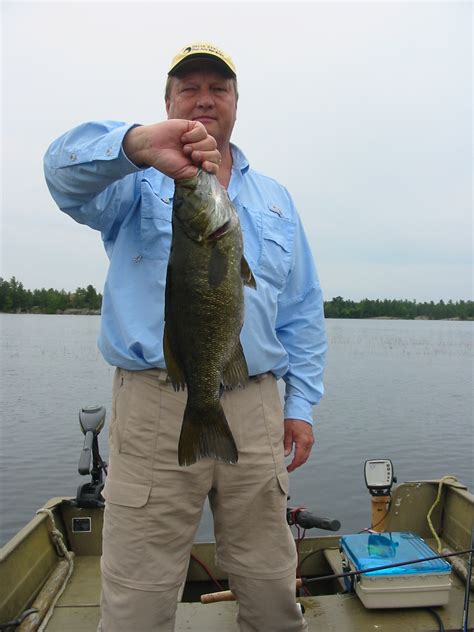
<point>72,156</point>
<point>109,152</point>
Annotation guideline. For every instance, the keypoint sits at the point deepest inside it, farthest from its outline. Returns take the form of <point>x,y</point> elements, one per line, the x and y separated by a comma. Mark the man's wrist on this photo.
<point>134,146</point>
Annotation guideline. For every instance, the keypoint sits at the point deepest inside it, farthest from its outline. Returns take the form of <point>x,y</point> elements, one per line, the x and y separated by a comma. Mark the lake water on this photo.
<point>394,389</point>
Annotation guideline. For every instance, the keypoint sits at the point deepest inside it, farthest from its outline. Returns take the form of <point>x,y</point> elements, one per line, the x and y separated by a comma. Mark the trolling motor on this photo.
<point>91,420</point>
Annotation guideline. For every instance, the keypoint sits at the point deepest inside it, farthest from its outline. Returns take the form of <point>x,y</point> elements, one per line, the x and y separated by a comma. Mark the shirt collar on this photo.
<point>240,166</point>
<point>239,159</point>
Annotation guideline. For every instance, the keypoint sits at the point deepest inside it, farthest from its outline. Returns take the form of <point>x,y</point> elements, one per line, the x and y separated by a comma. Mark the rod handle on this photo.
<point>228,595</point>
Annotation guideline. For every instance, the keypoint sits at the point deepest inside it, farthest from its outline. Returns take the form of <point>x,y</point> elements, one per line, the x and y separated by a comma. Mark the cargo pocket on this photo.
<point>284,482</point>
<point>126,523</point>
<point>126,494</point>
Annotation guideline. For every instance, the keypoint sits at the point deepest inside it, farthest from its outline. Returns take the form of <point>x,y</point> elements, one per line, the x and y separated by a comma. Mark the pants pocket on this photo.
<point>137,414</point>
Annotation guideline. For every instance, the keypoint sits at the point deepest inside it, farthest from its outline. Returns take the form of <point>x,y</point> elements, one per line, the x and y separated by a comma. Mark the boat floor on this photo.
<point>78,610</point>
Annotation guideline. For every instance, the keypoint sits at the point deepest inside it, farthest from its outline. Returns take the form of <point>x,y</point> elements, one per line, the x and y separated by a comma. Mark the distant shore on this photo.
<point>16,299</point>
<point>97,312</point>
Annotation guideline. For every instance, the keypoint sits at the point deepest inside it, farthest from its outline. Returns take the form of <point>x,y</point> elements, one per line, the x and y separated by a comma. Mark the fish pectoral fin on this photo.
<point>236,372</point>
<point>218,265</point>
<point>206,435</point>
<point>246,274</point>
<point>175,373</point>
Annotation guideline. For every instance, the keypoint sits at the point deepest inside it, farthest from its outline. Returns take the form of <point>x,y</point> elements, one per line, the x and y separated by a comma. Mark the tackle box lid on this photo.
<point>371,550</point>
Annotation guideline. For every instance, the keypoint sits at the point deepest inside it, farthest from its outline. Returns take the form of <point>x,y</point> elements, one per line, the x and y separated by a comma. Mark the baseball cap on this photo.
<point>202,50</point>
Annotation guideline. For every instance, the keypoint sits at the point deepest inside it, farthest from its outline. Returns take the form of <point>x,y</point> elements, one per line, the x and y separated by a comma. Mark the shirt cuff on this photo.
<point>298,408</point>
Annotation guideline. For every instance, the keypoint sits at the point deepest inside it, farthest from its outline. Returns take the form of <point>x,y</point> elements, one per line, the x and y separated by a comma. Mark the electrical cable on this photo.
<point>438,619</point>
<point>206,569</point>
<point>299,540</point>
<point>377,523</point>
<point>16,622</point>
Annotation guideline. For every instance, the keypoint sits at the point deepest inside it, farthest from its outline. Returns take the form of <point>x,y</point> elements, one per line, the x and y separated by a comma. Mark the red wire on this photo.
<point>219,586</point>
<point>299,540</point>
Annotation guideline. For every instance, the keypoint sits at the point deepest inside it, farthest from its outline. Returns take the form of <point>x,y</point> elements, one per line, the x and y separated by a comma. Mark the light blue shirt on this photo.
<point>92,180</point>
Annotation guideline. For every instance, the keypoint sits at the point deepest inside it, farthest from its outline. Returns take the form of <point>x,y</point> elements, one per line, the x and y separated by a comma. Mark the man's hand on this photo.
<point>299,434</point>
<point>175,147</point>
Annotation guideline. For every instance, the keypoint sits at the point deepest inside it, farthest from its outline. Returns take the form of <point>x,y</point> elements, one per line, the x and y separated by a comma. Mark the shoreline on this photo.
<point>97,312</point>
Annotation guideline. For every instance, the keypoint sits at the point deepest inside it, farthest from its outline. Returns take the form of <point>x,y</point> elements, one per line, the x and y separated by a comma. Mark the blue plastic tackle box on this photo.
<point>406,586</point>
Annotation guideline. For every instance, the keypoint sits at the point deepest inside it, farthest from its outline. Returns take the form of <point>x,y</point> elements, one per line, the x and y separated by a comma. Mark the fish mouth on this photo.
<point>220,231</point>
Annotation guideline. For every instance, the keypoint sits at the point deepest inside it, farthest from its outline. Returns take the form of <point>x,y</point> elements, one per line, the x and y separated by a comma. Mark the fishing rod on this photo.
<point>468,585</point>
<point>384,567</point>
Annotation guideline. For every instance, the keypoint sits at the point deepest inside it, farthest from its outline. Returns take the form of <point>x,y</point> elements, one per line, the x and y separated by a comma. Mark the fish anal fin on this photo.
<point>236,372</point>
<point>175,373</point>
<point>206,434</point>
<point>247,274</point>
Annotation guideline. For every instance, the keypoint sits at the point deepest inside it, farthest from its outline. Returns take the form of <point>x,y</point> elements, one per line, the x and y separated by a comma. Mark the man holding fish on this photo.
<point>211,296</point>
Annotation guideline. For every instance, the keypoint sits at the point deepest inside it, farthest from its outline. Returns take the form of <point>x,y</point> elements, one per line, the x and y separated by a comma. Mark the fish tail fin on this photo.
<point>206,437</point>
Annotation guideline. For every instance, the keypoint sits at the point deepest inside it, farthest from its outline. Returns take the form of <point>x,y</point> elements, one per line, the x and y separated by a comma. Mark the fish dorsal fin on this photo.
<point>246,274</point>
<point>236,372</point>
<point>175,373</point>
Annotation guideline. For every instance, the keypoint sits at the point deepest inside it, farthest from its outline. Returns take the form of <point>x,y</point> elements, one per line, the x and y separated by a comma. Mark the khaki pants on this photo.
<point>154,507</point>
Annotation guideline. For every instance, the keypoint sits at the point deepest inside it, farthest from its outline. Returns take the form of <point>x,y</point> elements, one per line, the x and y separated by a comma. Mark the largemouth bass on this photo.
<point>204,313</point>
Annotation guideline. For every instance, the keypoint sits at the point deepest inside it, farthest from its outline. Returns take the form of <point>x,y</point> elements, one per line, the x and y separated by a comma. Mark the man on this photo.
<point>118,178</point>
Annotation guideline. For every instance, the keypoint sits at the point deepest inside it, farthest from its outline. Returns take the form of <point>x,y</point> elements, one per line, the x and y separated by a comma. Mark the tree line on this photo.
<point>14,298</point>
<point>393,308</point>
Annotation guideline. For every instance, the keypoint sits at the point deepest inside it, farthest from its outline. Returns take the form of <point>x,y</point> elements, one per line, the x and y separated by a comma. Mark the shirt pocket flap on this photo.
<point>126,494</point>
<point>278,230</point>
<point>155,205</point>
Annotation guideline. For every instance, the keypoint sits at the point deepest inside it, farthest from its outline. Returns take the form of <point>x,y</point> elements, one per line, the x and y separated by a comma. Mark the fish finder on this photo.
<point>379,476</point>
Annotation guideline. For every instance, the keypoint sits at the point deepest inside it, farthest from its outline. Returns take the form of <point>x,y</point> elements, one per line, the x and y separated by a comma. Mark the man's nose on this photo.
<point>205,99</point>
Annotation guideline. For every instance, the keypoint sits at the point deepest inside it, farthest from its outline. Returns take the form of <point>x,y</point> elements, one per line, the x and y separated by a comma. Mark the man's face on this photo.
<point>204,95</point>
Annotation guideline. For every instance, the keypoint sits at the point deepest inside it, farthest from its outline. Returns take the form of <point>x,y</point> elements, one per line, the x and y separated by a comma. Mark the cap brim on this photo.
<point>184,64</point>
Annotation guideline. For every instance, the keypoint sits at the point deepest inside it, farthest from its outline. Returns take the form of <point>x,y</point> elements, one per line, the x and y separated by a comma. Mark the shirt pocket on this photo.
<point>277,246</point>
<point>251,226</point>
<point>155,223</point>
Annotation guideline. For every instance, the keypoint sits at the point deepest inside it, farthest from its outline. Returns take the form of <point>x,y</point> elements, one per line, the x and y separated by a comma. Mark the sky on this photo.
<point>361,109</point>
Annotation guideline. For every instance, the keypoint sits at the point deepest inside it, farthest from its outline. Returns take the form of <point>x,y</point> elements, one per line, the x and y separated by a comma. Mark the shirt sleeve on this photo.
<point>89,176</point>
<point>301,330</point>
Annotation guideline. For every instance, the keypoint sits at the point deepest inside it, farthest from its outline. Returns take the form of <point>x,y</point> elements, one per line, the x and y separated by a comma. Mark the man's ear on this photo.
<point>167,105</point>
